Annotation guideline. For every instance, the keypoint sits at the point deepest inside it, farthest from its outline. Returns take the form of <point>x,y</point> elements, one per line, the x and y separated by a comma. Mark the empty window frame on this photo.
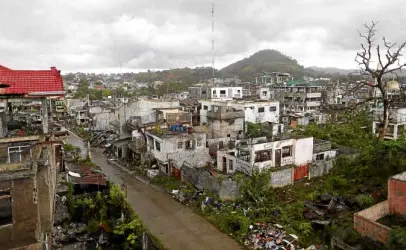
<point>222,92</point>
<point>319,157</point>
<point>287,151</point>
<point>157,146</point>
<point>180,145</point>
<point>272,108</point>
<point>14,154</point>
<point>205,107</point>
<point>230,165</point>
<point>261,110</point>
<point>263,155</point>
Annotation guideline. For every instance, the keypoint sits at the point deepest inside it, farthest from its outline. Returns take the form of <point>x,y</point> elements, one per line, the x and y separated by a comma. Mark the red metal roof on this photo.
<point>29,81</point>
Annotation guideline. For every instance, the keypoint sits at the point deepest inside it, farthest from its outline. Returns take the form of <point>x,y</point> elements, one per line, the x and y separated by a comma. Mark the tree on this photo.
<point>387,64</point>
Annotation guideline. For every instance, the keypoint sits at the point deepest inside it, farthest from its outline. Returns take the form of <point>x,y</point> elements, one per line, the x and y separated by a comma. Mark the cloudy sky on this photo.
<point>131,35</point>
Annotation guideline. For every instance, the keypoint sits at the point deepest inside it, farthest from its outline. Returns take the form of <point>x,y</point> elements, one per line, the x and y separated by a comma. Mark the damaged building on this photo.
<point>371,222</point>
<point>29,183</point>
<point>288,159</point>
<point>30,156</point>
<point>177,144</point>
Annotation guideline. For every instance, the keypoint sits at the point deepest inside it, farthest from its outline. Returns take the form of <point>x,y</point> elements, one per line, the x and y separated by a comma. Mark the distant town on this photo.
<point>263,154</point>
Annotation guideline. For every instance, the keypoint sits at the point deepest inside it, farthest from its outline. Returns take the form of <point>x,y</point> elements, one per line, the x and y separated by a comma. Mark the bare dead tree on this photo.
<point>386,64</point>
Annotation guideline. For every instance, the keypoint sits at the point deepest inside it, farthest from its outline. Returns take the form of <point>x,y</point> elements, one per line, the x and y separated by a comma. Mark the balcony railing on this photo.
<point>313,95</point>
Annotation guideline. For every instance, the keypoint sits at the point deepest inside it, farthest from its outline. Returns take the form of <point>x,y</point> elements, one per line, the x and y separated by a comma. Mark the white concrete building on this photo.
<point>299,98</point>
<point>173,148</point>
<point>144,111</point>
<point>254,111</point>
<point>258,154</point>
<point>265,93</point>
<point>216,93</point>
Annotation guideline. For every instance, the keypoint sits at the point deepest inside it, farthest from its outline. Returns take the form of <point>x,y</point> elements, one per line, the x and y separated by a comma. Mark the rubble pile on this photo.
<point>268,236</point>
<point>324,208</point>
<point>73,232</point>
<point>61,211</point>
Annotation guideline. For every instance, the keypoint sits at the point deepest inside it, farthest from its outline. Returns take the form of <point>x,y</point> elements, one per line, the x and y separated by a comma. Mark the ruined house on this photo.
<point>30,156</point>
<point>177,144</point>
<point>296,97</point>
<point>254,111</point>
<point>367,222</point>
<point>216,92</point>
<point>27,196</point>
<point>288,159</point>
<point>130,115</point>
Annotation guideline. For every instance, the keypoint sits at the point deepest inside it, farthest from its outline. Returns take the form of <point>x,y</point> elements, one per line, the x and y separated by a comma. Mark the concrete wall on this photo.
<point>320,168</point>
<point>144,109</point>
<point>282,177</point>
<point>365,222</point>
<point>101,121</point>
<point>25,225</point>
<point>397,196</point>
<point>303,151</point>
<point>221,129</point>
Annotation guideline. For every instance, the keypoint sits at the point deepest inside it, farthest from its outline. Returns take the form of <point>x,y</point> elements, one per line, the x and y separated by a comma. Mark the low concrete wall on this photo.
<point>282,177</point>
<point>320,168</point>
<point>365,222</point>
<point>397,197</point>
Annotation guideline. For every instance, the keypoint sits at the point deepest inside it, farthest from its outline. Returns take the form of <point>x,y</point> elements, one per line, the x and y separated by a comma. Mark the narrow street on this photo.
<point>175,225</point>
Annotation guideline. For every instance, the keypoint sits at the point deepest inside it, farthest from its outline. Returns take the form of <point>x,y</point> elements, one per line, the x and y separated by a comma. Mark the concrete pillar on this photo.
<point>50,108</point>
<point>45,116</point>
<point>89,154</point>
<point>3,124</point>
<point>395,131</point>
<point>373,128</point>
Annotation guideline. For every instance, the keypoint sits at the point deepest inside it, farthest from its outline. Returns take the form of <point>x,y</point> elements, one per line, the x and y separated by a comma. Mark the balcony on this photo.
<point>221,115</point>
<point>313,95</point>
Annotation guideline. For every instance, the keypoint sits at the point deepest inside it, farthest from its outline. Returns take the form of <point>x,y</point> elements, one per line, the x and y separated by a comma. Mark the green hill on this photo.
<point>264,60</point>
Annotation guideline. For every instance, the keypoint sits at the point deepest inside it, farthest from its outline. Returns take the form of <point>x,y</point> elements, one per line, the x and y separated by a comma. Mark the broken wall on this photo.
<point>203,180</point>
<point>282,177</point>
<point>25,226</point>
<point>46,185</point>
<point>320,168</point>
<point>365,222</point>
<point>397,197</point>
<point>200,178</point>
<point>229,190</point>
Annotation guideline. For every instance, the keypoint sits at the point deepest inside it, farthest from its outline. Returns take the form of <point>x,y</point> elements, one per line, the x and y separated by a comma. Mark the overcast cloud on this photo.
<point>114,35</point>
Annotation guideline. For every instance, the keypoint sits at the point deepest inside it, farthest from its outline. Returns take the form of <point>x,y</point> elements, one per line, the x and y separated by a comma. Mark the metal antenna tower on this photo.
<point>212,40</point>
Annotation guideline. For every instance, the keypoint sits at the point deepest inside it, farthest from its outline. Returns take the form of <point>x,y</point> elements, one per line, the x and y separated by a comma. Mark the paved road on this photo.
<point>174,224</point>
